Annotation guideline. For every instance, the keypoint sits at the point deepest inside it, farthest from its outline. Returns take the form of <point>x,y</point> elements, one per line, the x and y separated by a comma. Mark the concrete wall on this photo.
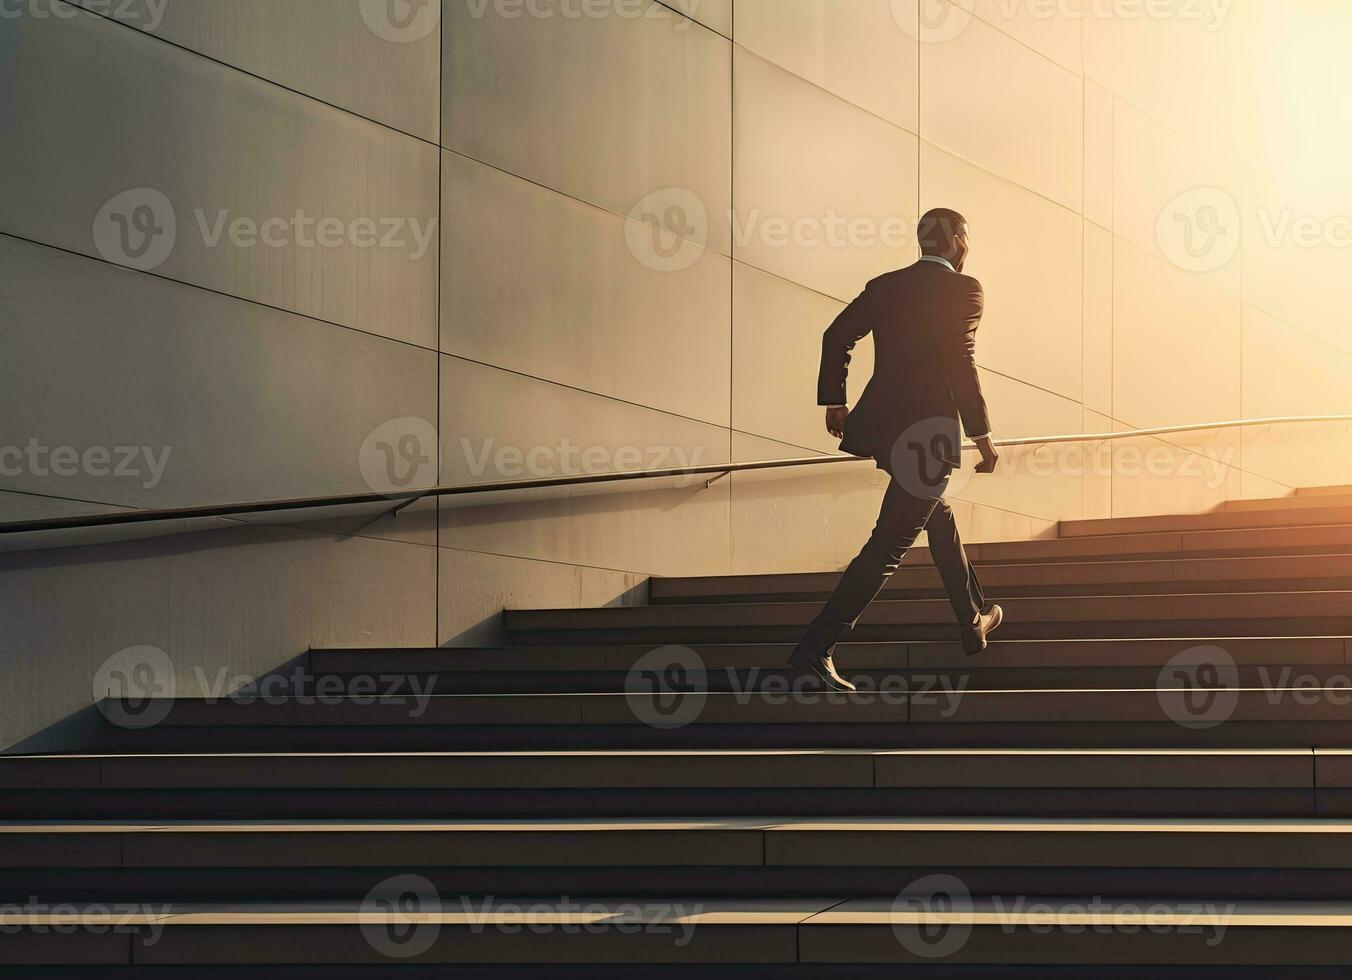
<point>295,248</point>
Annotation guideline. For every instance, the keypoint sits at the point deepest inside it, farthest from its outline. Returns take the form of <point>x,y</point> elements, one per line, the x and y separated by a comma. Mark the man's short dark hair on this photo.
<point>937,229</point>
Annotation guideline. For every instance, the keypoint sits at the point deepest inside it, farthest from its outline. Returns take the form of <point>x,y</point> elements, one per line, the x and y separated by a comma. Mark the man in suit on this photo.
<point>923,319</point>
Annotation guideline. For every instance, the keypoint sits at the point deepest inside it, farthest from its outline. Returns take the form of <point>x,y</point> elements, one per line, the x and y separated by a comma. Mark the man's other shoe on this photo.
<point>814,663</point>
<point>974,636</point>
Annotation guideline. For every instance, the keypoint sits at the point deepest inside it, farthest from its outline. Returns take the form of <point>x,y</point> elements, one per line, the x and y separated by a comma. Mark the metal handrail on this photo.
<point>404,498</point>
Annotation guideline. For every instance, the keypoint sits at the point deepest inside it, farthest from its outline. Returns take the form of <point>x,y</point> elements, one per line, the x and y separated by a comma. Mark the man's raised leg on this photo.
<point>960,580</point>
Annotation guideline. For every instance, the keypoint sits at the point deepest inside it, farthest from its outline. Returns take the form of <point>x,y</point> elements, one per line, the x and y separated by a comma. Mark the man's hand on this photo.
<point>835,420</point>
<point>989,457</point>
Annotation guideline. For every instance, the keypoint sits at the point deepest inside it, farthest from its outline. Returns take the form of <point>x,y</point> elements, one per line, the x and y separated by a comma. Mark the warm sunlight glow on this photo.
<point>1298,137</point>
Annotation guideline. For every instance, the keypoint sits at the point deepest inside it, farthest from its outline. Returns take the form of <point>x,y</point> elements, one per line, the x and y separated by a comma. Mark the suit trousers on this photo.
<point>902,517</point>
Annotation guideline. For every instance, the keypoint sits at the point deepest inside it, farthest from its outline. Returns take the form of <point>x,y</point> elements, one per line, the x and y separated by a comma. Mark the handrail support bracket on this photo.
<point>407,503</point>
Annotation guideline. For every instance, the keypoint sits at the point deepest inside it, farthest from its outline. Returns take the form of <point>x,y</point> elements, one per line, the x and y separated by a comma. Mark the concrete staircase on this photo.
<point>1149,773</point>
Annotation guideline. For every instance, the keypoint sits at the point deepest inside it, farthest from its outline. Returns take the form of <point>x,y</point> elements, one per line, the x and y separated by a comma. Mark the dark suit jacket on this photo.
<point>923,319</point>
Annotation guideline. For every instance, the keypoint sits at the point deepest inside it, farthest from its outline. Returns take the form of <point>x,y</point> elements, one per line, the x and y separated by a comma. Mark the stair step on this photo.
<point>938,717</point>
<point>1270,573</point>
<point>494,931</point>
<point>804,707</point>
<point>1091,931</point>
<point>716,937</point>
<point>1283,517</point>
<point>1008,664</point>
<point>1294,502</point>
<point>1211,614</point>
<point>774,680</point>
<point>1002,654</point>
<point>706,842</point>
<point>1249,704</point>
<point>636,770</point>
<point>346,858</point>
<point>1338,490</point>
<point>1332,538</point>
<point>1043,782</point>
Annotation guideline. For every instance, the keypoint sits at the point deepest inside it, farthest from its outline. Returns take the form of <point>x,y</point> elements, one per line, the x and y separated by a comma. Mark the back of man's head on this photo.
<point>937,230</point>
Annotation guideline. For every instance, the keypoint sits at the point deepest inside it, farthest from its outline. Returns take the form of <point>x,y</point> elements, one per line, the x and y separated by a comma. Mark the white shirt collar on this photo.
<point>940,259</point>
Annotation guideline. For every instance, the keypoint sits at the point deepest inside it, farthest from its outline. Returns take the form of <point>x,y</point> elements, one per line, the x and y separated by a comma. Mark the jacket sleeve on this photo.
<point>854,323</point>
<point>960,362</point>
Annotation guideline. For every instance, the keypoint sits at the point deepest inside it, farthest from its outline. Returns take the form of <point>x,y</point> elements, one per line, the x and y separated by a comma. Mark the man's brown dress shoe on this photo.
<point>974,636</point>
<point>819,665</point>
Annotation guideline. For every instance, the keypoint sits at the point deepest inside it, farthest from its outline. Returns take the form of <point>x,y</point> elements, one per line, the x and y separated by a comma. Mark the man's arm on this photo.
<point>853,324</point>
<point>963,379</point>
